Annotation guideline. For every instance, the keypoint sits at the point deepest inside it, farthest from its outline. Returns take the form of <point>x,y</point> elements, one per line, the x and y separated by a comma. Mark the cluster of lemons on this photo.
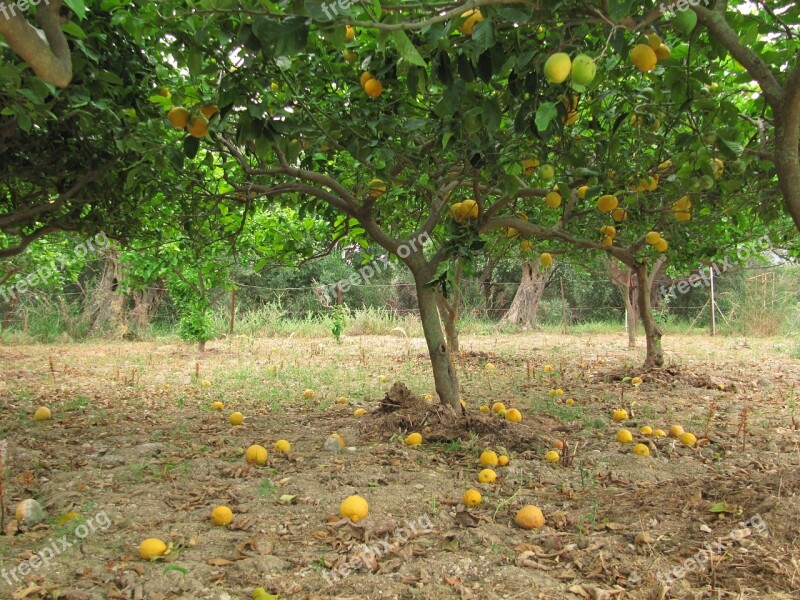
<point>194,122</point>
<point>645,56</point>
<point>512,414</point>
<point>624,436</point>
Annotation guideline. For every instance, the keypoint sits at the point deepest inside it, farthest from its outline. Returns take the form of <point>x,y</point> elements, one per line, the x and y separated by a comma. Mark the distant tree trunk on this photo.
<point>525,306</point>
<point>655,353</point>
<point>105,304</point>
<point>624,280</point>
<point>444,373</point>
<point>485,281</point>
<point>146,303</point>
<point>201,346</point>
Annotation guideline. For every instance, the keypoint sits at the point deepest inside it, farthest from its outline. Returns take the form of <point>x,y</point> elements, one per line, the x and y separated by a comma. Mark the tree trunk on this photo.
<point>444,373</point>
<point>487,287</point>
<point>105,304</point>
<point>525,306</point>
<point>201,346</point>
<point>146,303</point>
<point>631,321</point>
<point>449,315</point>
<point>655,353</point>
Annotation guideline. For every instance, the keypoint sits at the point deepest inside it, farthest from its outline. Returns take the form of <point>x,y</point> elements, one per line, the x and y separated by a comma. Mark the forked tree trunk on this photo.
<point>444,373</point>
<point>655,353</point>
<point>145,304</point>
<point>525,305</point>
<point>450,311</point>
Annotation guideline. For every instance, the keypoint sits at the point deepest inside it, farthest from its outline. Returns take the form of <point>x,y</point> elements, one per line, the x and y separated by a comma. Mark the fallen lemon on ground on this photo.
<point>676,431</point>
<point>688,439</point>
<point>282,446</point>
<point>647,430</point>
<point>488,457</point>
<point>222,515</point>
<point>308,394</point>
<point>569,401</point>
<point>513,415</point>
<point>552,456</point>
<point>42,414</point>
<point>354,508</point>
<point>152,548</point>
<point>360,412</point>
<point>498,406</point>
<point>619,415</point>
<point>472,497</point>
<point>487,476</point>
<point>529,517</point>
<point>413,439</point>
<point>489,367</point>
<point>502,460</point>
<point>341,400</point>
<point>624,436</point>
<point>485,408</point>
<point>641,450</point>
<point>217,405</point>
<point>659,433</point>
<point>548,368</point>
<point>256,455</point>
<point>236,418</point>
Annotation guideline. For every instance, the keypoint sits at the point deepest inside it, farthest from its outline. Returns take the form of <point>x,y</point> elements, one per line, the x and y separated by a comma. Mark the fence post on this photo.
<point>713,304</point>
<point>233,310</point>
<point>339,294</point>
<point>563,307</point>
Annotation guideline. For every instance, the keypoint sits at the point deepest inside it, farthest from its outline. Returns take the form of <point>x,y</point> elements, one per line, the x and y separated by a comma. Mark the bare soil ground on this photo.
<point>133,437</point>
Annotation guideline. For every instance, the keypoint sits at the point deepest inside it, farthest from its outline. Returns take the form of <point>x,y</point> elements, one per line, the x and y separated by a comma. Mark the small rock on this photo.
<point>643,539</point>
<point>332,444</point>
<point>29,512</point>
<point>260,565</point>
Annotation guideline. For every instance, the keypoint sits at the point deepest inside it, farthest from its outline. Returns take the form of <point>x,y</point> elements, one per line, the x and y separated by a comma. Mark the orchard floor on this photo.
<point>133,437</point>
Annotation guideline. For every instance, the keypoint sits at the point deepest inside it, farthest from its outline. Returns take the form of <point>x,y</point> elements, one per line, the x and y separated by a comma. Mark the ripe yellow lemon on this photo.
<point>488,457</point>
<point>683,215</point>
<point>664,165</point>
<point>209,110</point>
<point>608,230</point>
<point>547,368</point>
<point>349,34</point>
<point>525,245</point>
<point>455,211</point>
<point>607,203</point>
<point>339,438</point>
<point>256,455</point>
<point>553,199</point>
<point>282,447</point>
<point>178,116</point>
<point>653,40</point>
<point>688,439</point>
<point>472,497</point>
<point>607,241</point>
<point>365,77</point>
<point>569,401</point>
<point>489,367</point>
<point>529,517</point>
<point>619,214</point>
<point>498,406</point>
<point>206,384</point>
<point>471,18</point>
<point>619,414</point>
<point>308,394</point>
<point>217,405</point>
<point>487,476</point>
<point>513,415</point>
<point>676,431</point>
<point>582,191</point>
<point>557,67</point>
<point>377,188</point>
<point>354,508</point>
<point>644,57</point>
<point>652,238</point>
<point>624,436</point>
<point>641,450</point>
<point>198,127</point>
<point>374,88</point>
<point>661,245</point>
<point>583,69</point>
<point>360,412</point>
<point>152,548</point>
<point>663,52</point>
<point>469,210</point>
<point>502,460</point>
<point>683,203</point>
<point>636,381</point>
<point>529,165</point>
<point>647,430</point>
<point>42,414</point>
<point>485,408</point>
<point>413,439</point>
<point>659,433</point>
<point>545,259</point>
<point>236,418</point>
<point>552,456</point>
<point>341,400</point>
<point>222,515</point>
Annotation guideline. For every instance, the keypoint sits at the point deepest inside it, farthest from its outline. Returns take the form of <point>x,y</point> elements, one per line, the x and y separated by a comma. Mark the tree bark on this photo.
<point>450,311</point>
<point>525,306</point>
<point>444,373</point>
<point>655,353</point>
<point>49,57</point>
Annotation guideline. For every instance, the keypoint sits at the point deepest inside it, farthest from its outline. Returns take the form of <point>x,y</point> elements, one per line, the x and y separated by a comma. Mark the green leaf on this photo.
<point>407,49</point>
<point>73,29</point>
<point>491,114</point>
<point>545,114</point>
<point>483,36</point>
<point>190,146</point>
<point>195,62</point>
<point>78,7</point>
<point>618,9</point>
<point>180,569</point>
